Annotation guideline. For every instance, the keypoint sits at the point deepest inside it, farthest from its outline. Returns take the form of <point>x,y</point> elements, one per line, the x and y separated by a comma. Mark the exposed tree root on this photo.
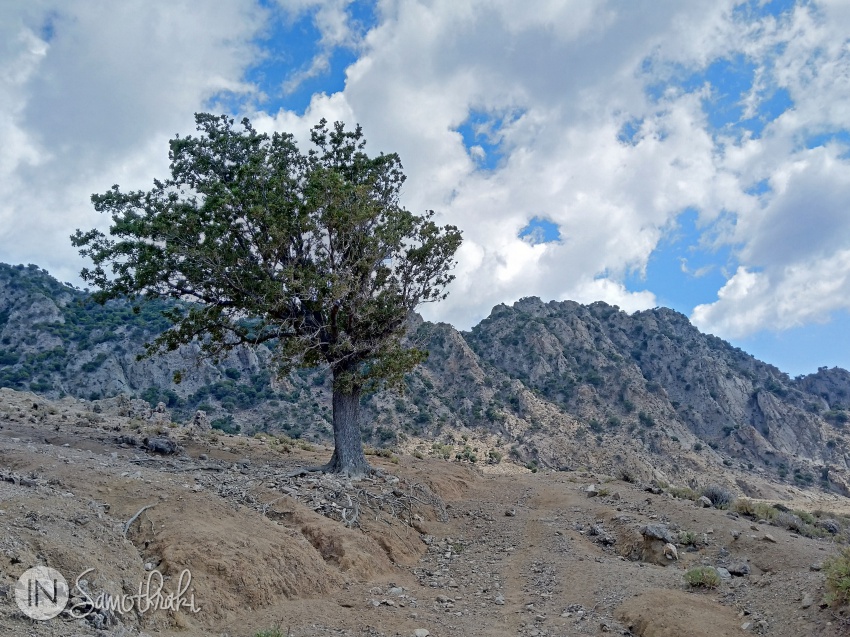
<point>133,519</point>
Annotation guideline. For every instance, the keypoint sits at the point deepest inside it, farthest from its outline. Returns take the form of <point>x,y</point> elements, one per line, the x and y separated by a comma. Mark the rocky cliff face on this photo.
<point>657,375</point>
<point>557,384</point>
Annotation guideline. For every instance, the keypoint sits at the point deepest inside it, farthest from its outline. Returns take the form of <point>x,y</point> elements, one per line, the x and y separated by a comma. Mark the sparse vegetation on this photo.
<point>799,522</point>
<point>754,509</point>
<point>687,538</point>
<point>702,577</point>
<point>381,453</point>
<point>627,474</point>
<point>685,493</point>
<point>814,525</point>
<point>720,497</point>
<point>837,571</point>
<point>442,451</point>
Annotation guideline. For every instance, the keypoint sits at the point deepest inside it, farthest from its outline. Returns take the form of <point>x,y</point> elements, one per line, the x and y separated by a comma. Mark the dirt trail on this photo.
<point>512,554</point>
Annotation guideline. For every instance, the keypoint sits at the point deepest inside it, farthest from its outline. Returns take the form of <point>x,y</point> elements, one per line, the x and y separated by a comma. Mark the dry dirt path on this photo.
<point>518,557</point>
<point>519,554</point>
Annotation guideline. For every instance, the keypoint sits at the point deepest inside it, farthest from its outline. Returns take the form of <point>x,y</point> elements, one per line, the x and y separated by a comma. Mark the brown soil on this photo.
<point>435,545</point>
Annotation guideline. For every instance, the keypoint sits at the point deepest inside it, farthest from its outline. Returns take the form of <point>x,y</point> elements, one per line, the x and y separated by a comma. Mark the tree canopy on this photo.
<point>310,253</point>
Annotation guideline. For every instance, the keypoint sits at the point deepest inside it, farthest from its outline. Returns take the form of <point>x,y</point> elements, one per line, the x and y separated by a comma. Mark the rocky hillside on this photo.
<point>545,384</point>
<point>654,372</point>
<point>256,548</point>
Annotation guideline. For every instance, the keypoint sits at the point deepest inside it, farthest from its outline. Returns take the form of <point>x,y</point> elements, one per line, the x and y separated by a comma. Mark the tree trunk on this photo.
<point>348,457</point>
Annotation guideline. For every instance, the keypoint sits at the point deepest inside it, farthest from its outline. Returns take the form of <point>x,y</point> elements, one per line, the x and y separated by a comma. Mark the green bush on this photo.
<point>702,577</point>
<point>687,538</point>
<point>226,425</point>
<point>442,451</point>
<point>645,419</point>
<point>8,358</point>
<point>837,570</point>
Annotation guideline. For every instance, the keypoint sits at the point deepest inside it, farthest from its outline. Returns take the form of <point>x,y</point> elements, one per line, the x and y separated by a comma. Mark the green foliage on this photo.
<point>493,415</point>
<point>687,538</point>
<point>467,454</point>
<point>773,386</point>
<point>94,365</point>
<point>442,451</point>
<point>385,435</point>
<point>837,572</point>
<point>803,478</point>
<point>592,377</point>
<point>702,577</point>
<point>645,419</point>
<point>226,425</point>
<point>38,386</point>
<point>313,247</point>
<point>837,417</point>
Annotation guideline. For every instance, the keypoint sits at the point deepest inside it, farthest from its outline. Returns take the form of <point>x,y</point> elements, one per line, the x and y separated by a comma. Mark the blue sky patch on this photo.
<point>629,132</point>
<point>291,46</point>
<point>769,109</point>
<point>761,9</point>
<point>759,188</point>
<point>822,139</point>
<point>731,80</point>
<point>363,16</point>
<point>681,271</point>
<point>801,350</point>
<point>482,136</point>
<point>540,230</point>
<point>47,31</point>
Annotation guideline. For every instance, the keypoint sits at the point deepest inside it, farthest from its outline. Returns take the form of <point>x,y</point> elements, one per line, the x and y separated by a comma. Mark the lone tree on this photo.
<point>258,242</point>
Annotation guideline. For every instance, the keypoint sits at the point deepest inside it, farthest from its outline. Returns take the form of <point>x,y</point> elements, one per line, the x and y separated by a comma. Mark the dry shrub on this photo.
<point>720,497</point>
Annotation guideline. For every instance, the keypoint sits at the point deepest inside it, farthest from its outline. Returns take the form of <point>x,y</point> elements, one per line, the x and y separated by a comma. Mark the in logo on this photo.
<point>41,593</point>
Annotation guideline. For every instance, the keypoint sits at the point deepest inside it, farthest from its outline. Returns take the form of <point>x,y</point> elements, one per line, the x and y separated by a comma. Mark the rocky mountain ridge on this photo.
<point>554,384</point>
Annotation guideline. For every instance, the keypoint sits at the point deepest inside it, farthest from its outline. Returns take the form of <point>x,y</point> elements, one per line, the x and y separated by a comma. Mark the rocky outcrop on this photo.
<point>657,375</point>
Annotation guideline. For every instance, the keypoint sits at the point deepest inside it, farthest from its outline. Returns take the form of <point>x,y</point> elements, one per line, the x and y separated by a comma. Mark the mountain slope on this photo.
<point>558,384</point>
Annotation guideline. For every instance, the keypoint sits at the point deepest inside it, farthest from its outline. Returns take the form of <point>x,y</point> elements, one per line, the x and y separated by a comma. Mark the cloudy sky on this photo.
<point>694,155</point>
